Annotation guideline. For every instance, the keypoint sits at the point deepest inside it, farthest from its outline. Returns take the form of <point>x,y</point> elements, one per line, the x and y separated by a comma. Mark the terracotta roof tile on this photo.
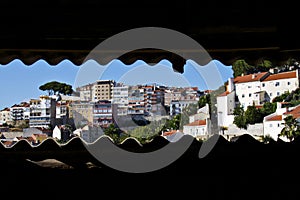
<point>169,133</point>
<point>224,94</point>
<point>284,75</point>
<point>275,118</point>
<point>197,123</point>
<point>250,77</point>
<point>295,112</point>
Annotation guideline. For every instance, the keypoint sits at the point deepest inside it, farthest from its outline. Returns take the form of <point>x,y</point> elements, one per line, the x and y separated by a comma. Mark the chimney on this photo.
<point>253,76</point>
<point>230,86</point>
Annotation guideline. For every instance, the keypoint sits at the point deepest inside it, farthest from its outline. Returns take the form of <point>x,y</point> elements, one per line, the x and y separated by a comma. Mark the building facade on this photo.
<point>20,111</point>
<point>102,90</point>
<point>102,114</point>
<point>42,112</point>
<point>120,99</point>
<point>5,116</point>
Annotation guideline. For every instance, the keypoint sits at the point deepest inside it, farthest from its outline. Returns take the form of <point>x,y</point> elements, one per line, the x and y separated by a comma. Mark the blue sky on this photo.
<point>21,82</point>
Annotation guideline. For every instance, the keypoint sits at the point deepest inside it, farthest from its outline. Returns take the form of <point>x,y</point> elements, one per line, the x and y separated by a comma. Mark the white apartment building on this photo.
<point>225,105</point>
<point>263,87</point>
<point>274,123</point>
<point>277,84</point>
<point>120,99</point>
<point>20,111</point>
<point>5,116</point>
<point>42,112</point>
<point>247,88</point>
<point>85,92</point>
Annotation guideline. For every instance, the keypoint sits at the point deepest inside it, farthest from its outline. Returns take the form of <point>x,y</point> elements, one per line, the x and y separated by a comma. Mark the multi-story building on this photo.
<point>263,87</point>
<point>63,108</point>
<point>171,94</point>
<point>42,112</point>
<point>153,99</point>
<point>136,100</point>
<point>20,111</point>
<point>248,88</point>
<point>176,107</point>
<point>102,90</point>
<point>277,84</point>
<point>226,102</point>
<point>5,116</point>
<point>85,92</point>
<point>274,123</point>
<point>102,114</point>
<point>82,113</point>
<point>120,99</point>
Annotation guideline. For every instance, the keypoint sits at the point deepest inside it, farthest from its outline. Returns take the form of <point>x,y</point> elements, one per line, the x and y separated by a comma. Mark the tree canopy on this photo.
<point>291,128</point>
<point>55,87</point>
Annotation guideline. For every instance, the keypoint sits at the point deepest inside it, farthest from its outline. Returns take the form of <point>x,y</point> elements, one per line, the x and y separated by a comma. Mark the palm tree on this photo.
<point>291,128</point>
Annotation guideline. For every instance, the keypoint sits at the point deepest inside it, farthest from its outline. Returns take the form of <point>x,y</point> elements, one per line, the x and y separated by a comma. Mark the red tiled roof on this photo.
<point>6,109</point>
<point>249,78</point>
<point>197,123</point>
<point>224,94</point>
<point>295,112</point>
<point>169,133</point>
<point>275,118</point>
<point>284,75</point>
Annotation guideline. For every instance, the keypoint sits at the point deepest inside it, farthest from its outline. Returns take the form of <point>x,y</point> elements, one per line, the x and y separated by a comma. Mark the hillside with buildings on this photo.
<point>250,103</point>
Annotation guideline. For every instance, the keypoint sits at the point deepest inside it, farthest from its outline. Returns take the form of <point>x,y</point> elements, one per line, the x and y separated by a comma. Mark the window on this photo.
<point>243,95</point>
<point>249,86</point>
<point>270,94</point>
<point>250,94</point>
<point>288,83</point>
<point>270,125</point>
<point>263,85</point>
<point>278,125</point>
<point>278,93</point>
<point>277,84</point>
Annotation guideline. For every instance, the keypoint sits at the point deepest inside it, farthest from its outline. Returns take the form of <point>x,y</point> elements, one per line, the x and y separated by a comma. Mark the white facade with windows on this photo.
<point>42,112</point>
<point>196,129</point>
<point>246,92</point>
<point>263,87</point>
<point>277,84</point>
<point>5,116</point>
<point>120,99</point>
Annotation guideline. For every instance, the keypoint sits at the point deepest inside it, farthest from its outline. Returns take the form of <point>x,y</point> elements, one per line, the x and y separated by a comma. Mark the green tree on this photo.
<point>253,115</point>
<point>172,124</point>
<point>291,128</point>
<point>268,108</point>
<point>203,100</point>
<point>113,132</point>
<point>55,87</point>
<point>264,65</point>
<point>239,117</point>
<point>281,97</point>
<point>241,67</point>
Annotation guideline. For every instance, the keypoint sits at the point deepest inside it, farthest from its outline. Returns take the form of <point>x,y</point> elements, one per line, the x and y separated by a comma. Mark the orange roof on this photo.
<point>169,133</point>
<point>283,75</point>
<point>295,112</point>
<point>258,106</point>
<point>249,78</point>
<point>224,94</point>
<point>275,118</point>
<point>197,123</point>
<point>6,109</point>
